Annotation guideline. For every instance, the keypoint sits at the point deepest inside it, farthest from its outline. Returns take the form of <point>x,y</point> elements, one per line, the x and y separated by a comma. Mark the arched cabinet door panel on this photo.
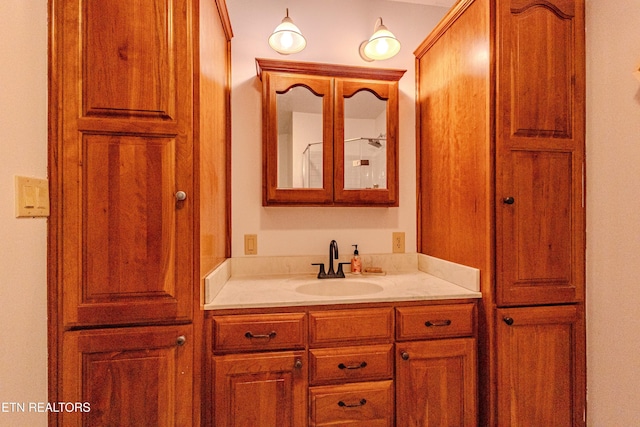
<point>540,217</point>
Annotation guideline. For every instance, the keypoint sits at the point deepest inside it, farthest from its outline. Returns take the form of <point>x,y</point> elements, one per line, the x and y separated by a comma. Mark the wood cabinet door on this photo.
<point>260,389</point>
<point>128,376</point>
<point>365,142</point>
<point>436,383</point>
<point>125,149</point>
<point>540,223</point>
<point>541,366</point>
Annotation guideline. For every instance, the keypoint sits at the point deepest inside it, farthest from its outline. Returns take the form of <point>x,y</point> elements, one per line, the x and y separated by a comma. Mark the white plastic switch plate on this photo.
<point>251,244</point>
<point>397,241</point>
<point>32,197</point>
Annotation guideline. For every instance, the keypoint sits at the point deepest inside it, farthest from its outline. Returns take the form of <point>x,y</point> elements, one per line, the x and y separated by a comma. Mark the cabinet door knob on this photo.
<point>297,364</point>
<point>404,355</point>
<point>508,320</point>
<point>508,200</point>
<point>181,340</point>
<point>180,196</point>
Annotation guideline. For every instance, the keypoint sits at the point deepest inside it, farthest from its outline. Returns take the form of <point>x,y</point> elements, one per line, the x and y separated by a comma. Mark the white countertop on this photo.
<point>409,282</point>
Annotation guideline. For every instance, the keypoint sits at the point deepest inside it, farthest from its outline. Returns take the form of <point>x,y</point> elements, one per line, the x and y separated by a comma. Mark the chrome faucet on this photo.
<point>333,254</point>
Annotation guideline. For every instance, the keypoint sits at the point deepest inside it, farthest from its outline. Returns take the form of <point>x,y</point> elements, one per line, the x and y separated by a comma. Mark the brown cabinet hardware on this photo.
<point>358,366</point>
<point>271,335</point>
<point>445,322</point>
<point>352,405</point>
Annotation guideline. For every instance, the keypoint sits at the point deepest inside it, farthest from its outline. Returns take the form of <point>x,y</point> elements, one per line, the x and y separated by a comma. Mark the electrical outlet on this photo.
<point>251,244</point>
<point>397,241</point>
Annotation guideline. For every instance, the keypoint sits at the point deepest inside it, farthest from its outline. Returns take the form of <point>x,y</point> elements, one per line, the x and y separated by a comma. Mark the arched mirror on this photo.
<point>300,144</point>
<point>365,141</point>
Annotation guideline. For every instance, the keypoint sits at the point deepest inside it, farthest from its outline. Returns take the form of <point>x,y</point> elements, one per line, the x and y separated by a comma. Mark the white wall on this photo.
<point>23,151</point>
<point>613,213</point>
<point>334,29</point>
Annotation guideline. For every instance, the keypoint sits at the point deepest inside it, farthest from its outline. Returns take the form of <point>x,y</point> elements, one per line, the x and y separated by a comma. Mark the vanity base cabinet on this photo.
<point>539,375</point>
<point>409,364</point>
<point>436,383</point>
<point>261,389</point>
<point>133,377</point>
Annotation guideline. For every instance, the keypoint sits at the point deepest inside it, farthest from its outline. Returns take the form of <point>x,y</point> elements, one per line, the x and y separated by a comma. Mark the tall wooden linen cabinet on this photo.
<point>139,174</point>
<point>500,129</point>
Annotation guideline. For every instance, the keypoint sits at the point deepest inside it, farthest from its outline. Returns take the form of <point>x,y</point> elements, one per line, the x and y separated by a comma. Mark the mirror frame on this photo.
<point>387,92</point>
<point>332,82</point>
<point>279,84</point>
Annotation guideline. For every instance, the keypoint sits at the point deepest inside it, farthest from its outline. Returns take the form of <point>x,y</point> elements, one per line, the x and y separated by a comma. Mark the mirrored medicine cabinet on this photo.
<point>330,134</point>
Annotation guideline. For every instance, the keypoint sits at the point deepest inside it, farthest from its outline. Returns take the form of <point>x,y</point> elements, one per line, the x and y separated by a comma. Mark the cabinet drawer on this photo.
<point>357,326</point>
<point>258,332</point>
<point>357,405</point>
<point>347,364</point>
<point>435,321</point>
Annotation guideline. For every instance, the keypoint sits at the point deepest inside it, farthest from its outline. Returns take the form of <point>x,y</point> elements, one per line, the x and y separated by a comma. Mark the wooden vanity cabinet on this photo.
<point>307,122</point>
<point>351,367</point>
<point>260,389</point>
<point>259,370</point>
<point>436,366</point>
<point>384,365</point>
<point>501,142</point>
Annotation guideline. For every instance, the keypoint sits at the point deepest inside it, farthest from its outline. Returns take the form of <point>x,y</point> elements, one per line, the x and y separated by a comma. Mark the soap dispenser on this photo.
<point>356,264</point>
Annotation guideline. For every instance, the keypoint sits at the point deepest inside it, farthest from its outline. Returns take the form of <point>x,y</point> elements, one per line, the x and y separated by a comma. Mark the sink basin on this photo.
<point>339,287</point>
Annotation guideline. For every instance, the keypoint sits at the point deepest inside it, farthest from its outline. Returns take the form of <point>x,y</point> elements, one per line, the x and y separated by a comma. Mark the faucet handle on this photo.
<point>340,273</point>
<point>321,273</point>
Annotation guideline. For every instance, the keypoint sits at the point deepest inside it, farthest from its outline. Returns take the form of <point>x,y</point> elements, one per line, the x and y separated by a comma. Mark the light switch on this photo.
<point>32,197</point>
<point>251,244</point>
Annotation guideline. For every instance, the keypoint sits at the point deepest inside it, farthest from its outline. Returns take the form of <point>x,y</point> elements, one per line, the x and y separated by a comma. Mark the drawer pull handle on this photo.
<point>446,322</point>
<point>508,320</point>
<point>352,405</point>
<point>359,366</point>
<point>271,335</point>
<point>297,364</point>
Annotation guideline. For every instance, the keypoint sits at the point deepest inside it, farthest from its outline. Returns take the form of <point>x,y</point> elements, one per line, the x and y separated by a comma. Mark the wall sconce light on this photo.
<point>287,38</point>
<point>381,45</point>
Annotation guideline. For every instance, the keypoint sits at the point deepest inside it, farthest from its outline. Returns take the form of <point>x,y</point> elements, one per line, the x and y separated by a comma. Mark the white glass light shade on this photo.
<point>381,45</point>
<point>287,38</point>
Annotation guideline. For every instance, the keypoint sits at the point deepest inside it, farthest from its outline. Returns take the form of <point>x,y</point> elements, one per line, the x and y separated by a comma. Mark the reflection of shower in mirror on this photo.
<point>374,142</point>
<point>365,163</point>
<point>312,165</point>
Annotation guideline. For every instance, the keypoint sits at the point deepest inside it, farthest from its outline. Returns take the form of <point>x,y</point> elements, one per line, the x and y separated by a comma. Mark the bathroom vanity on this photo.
<point>292,350</point>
